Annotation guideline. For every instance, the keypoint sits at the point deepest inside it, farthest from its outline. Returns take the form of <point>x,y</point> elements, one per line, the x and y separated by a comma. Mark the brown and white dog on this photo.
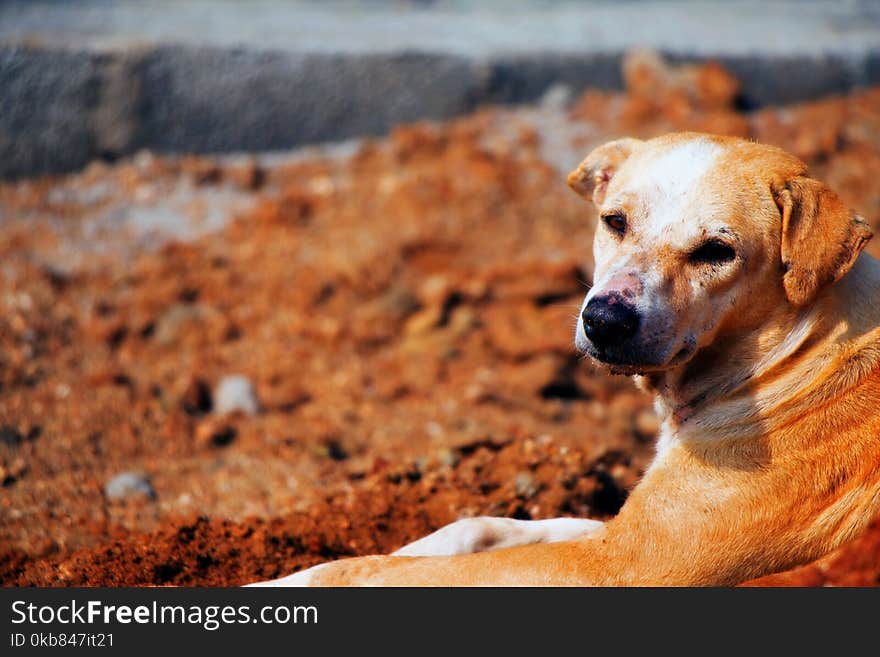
<point>729,283</point>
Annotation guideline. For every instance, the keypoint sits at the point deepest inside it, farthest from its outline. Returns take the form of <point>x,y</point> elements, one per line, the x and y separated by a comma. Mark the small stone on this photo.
<point>448,457</point>
<point>434,430</point>
<point>557,97</point>
<point>129,485</point>
<point>524,484</point>
<point>171,323</point>
<point>235,393</point>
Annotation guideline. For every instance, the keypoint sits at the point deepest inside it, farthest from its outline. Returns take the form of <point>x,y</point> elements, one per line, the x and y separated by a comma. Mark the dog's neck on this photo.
<point>745,386</point>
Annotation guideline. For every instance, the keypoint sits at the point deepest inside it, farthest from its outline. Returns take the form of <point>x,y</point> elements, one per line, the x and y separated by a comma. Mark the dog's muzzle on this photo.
<point>609,321</point>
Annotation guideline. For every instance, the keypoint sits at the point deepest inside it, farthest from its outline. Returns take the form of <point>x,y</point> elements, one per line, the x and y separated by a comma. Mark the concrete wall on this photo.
<point>61,107</point>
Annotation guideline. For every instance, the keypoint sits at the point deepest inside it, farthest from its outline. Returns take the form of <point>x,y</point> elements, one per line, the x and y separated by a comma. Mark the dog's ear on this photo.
<point>592,176</point>
<point>821,237</point>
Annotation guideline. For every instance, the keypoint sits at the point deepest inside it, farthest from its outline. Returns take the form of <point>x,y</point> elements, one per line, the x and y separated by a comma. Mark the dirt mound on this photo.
<point>404,316</point>
<point>381,512</point>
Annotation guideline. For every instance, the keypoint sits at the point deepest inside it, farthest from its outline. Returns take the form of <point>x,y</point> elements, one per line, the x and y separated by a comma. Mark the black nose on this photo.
<point>608,321</point>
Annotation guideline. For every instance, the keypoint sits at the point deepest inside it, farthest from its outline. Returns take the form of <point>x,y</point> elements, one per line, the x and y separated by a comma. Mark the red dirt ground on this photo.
<point>405,315</point>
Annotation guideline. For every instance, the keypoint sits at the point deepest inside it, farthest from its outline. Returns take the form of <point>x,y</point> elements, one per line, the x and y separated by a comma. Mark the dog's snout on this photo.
<point>609,320</point>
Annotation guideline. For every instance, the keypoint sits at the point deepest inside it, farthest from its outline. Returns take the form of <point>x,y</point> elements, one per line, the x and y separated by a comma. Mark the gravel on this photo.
<point>235,393</point>
<point>128,485</point>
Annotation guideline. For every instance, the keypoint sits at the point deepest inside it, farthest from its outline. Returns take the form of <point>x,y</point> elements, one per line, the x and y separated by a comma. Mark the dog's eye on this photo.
<point>712,252</point>
<point>616,222</point>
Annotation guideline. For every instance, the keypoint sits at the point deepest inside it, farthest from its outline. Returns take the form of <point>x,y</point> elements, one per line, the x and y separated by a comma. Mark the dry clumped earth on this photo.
<point>397,316</point>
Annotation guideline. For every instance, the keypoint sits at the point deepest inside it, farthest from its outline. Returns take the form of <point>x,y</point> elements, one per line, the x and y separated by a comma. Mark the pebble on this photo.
<point>128,485</point>
<point>434,430</point>
<point>169,325</point>
<point>557,97</point>
<point>448,457</point>
<point>525,485</point>
<point>235,393</point>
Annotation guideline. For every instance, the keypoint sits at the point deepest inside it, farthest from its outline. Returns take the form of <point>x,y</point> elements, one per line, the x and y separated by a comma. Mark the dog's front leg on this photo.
<point>542,564</point>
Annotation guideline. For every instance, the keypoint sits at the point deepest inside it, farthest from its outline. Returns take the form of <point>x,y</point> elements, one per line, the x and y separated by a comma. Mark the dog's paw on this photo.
<point>482,534</point>
<point>461,537</point>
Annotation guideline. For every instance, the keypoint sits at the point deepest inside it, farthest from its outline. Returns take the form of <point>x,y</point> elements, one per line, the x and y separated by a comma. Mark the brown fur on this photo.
<point>809,209</point>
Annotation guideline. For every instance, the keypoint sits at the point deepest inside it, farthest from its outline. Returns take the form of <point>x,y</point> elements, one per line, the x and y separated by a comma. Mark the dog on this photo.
<point>731,285</point>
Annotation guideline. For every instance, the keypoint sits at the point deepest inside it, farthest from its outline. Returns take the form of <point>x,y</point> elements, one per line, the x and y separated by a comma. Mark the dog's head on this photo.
<point>699,236</point>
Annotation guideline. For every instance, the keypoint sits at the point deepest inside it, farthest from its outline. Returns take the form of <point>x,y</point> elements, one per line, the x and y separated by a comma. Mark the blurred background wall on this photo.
<point>99,79</point>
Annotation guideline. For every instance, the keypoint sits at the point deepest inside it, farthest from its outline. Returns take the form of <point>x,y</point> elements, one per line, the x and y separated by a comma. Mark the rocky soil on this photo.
<point>220,370</point>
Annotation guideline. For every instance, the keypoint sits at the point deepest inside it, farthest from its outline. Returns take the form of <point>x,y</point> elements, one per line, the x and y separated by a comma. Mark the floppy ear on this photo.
<point>592,176</point>
<point>821,237</point>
